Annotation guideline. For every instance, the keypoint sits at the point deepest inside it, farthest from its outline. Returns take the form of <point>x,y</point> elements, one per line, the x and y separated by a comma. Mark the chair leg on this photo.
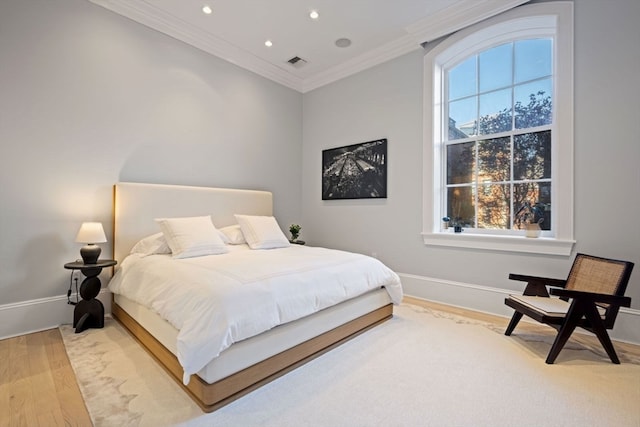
<point>513,323</point>
<point>571,320</point>
<point>598,328</point>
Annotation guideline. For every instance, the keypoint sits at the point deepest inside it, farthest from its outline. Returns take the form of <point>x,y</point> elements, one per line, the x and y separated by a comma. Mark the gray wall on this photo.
<point>89,98</point>
<point>386,102</point>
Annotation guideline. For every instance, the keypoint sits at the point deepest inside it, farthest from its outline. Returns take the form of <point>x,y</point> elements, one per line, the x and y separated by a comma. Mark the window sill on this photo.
<point>539,245</point>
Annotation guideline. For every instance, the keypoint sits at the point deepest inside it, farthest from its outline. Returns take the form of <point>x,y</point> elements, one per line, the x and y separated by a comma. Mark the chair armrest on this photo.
<point>537,285</point>
<point>620,301</point>
<point>559,283</point>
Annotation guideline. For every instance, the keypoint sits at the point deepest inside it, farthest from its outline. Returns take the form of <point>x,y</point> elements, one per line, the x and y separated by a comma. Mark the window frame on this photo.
<point>552,20</point>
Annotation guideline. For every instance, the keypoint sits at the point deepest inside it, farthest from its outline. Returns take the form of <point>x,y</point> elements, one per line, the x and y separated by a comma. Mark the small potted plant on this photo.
<point>457,226</point>
<point>445,222</point>
<point>530,217</point>
<point>294,229</point>
<point>533,228</point>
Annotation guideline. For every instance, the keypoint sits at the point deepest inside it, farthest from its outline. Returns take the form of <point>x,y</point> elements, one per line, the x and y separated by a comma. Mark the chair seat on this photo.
<point>549,306</point>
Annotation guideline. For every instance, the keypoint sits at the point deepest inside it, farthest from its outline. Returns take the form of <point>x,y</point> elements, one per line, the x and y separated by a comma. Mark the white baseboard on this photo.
<point>41,314</point>
<point>491,300</point>
<point>46,313</point>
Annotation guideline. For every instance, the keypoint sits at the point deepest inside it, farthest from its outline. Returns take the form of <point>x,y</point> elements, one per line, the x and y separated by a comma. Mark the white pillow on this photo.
<point>151,245</point>
<point>223,237</point>
<point>233,234</point>
<point>192,236</point>
<point>262,232</point>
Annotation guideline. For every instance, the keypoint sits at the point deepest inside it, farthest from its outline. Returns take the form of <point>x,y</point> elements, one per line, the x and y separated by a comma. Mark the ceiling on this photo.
<point>236,31</point>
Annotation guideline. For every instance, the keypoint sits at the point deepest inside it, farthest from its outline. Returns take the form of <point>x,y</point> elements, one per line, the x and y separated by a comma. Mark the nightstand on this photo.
<point>89,313</point>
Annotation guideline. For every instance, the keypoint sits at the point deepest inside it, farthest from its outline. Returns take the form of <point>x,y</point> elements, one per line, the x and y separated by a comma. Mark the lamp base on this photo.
<point>90,253</point>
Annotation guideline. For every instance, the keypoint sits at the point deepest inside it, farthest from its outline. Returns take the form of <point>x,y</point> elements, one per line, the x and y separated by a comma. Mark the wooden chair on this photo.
<point>589,298</point>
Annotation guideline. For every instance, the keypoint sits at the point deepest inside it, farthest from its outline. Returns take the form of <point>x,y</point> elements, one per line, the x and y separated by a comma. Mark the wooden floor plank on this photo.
<point>51,419</point>
<point>21,394</point>
<point>17,356</point>
<point>5,394</point>
<point>4,404</point>
<point>21,404</point>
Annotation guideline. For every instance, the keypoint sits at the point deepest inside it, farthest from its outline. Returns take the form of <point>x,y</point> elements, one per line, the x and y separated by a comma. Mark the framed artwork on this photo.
<point>357,171</point>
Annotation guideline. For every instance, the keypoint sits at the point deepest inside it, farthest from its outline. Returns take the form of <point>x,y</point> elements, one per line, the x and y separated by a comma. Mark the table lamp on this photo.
<point>91,233</point>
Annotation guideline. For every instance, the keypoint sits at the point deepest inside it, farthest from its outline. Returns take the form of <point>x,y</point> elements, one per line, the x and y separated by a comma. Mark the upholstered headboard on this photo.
<point>136,206</point>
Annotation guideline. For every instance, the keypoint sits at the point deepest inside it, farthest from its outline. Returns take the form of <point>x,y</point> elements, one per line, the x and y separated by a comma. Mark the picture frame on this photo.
<point>357,171</point>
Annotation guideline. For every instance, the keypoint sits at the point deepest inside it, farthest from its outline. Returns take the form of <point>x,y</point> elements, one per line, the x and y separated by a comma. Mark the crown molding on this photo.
<point>149,15</point>
<point>457,17</point>
<point>362,62</point>
<point>447,21</point>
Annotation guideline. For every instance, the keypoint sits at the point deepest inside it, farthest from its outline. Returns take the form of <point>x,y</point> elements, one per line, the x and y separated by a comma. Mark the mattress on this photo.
<point>250,351</point>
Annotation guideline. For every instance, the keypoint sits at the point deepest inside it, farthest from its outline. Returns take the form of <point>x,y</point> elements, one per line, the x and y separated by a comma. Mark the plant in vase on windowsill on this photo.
<point>445,222</point>
<point>457,225</point>
<point>529,217</point>
<point>532,228</point>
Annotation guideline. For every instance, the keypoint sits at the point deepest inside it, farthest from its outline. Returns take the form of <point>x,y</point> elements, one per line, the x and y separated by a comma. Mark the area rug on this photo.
<point>421,368</point>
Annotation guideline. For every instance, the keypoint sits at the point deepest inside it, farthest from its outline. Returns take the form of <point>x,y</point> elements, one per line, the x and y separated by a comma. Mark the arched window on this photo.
<point>499,133</point>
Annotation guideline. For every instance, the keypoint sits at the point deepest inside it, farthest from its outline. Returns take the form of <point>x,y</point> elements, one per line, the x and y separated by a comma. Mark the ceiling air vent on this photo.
<point>297,62</point>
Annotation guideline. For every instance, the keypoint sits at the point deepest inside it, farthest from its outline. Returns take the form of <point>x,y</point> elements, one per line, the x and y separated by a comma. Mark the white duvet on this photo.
<point>217,300</point>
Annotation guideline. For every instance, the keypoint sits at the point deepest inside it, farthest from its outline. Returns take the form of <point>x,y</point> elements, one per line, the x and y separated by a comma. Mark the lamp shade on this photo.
<point>91,232</point>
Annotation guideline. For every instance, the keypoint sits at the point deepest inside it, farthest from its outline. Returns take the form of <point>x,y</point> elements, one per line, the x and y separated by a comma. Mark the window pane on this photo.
<point>496,67</point>
<point>460,207</point>
<point>532,156</point>
<point>494,206</point>
<point>495,112</point>
<point>544,204</point>
<point>462,118</point>
<point>533,104</point>
<point>494,160</point>
<point>462,79</point>
<point>532,203</point>
<point>460,163</point>
<point>532,59</point>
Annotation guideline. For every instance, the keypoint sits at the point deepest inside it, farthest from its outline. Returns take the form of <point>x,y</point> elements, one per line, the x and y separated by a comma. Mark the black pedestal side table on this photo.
<point>89,313</point>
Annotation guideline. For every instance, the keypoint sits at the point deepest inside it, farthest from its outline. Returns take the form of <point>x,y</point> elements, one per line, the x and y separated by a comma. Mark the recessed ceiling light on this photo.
<point>268,43</point>
<point>343,42</point>
<point>314,14</point>
<point>207,9</point>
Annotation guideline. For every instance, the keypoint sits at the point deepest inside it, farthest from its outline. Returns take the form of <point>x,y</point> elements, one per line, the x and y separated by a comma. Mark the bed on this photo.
<point>247,362</point>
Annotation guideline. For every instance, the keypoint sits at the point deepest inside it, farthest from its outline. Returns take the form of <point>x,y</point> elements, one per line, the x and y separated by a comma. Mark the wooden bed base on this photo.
<point>213,396</point>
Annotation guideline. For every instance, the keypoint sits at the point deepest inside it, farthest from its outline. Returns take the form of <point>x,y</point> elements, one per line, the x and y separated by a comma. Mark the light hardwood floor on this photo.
<point>38,386</point>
